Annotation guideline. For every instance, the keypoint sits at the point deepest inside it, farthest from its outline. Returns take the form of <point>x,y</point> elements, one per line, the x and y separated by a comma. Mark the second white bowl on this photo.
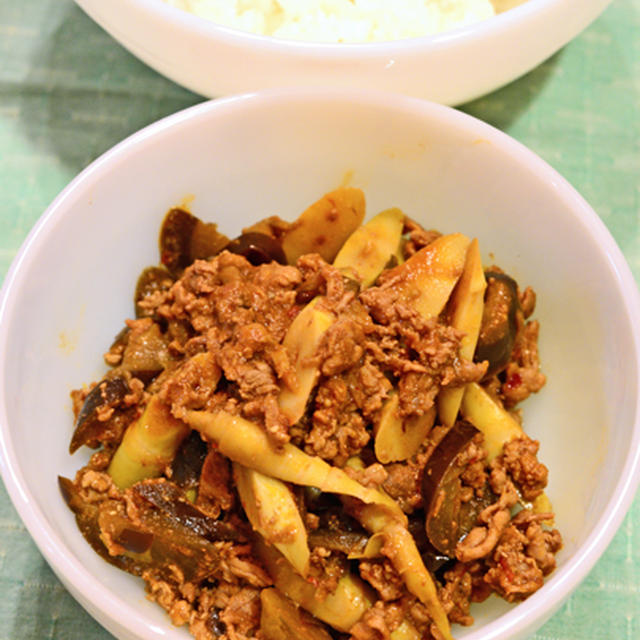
<point>450,68</point>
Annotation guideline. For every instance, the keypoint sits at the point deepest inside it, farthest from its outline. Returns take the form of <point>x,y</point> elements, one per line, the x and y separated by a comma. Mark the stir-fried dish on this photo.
<point>313,430</point>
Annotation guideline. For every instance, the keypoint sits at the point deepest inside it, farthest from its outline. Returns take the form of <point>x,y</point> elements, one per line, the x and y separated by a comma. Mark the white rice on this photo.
<point>340,20</point>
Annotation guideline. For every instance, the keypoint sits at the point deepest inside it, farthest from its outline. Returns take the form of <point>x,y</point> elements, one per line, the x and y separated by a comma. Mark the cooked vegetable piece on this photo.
<point>465,307</point>
<point>187,463</point>
<point>426,279</point>
<point>542,504</point>
<point>341,609</point>
<point>325,225</point>
<point>185,238</point>
<point>302,340</point>
<point>351,543</point>
<point>447,519</point>
<point>215,490</point>
<point>497,425</point>
<point>257,248</point>
<point>500,320</point>
<point>146,353</point>
<point>148,445</point>
<point>425,282</point>
<point>336,530</point>
<point>173,504</point>
<point>400,547</point>
<point>369,248</point>
<point>150,281</point>
<point>273,513</point>
<point>87,513</point>
<point>397,439</point>
<point>160,537</point>
<point>282,619</point>
<point>246,443</point>
<point>392,538</point>
<point>105,399</point>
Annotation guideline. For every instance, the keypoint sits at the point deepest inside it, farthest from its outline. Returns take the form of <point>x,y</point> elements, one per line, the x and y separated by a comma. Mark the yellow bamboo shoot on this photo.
<point>325,225</point>
<point>400,548</point>
<point>426,280</point>
<point>397,439</point>
<point>466,305</point>
<point>272,512</point>
<point>148,445</point>
<point>369,248</point>
<point>341,609</point>
<point>302,340</point>
<point>246,443</point>
<point>497,425</point>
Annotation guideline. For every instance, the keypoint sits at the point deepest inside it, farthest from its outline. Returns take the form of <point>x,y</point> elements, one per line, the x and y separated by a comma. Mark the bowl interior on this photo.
<point>241,159</point>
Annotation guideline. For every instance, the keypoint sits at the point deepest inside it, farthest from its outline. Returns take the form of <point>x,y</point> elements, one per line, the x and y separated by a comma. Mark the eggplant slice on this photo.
<point>448,517</point>
<point>103,416</point>
<point>501,318</point>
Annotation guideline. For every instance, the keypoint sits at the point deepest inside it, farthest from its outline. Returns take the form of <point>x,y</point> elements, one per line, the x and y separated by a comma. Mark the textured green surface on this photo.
<point>68,92</point>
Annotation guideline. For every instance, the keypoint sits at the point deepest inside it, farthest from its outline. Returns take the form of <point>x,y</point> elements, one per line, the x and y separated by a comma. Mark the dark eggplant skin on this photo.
<point>87,515</point>
<point>501,319</point>
<point>151,280</point>
<point>257,248</point>
<point>448,519</point>
<point>187,464</point>
<point>175,239</point>
<point>106,395</point>
<point>166,499</point>
<point>347,542</point>
<point>168,531</point>
<point>185,238</point>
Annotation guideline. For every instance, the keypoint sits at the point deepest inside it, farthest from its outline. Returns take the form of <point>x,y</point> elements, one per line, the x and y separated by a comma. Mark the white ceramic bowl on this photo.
<point>246,157</point>
<point>450,68</point>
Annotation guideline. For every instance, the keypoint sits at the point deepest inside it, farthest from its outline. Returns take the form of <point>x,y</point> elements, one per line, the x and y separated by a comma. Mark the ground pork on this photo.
<point>378,622</point>
<point>522,376</point>
<point>338,429</point>
<point>383,577</point>
<point>326,569</point>
<point>417,239</point>
<point>215,488</point>
<point>455,595</point>
<point>492,521</point>
<point>238,316</point>
<point>403,482</point>
<point>519,459</point>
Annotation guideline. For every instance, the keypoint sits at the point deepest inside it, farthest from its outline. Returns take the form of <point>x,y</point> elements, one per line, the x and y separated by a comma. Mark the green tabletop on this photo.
<point>68,92</point>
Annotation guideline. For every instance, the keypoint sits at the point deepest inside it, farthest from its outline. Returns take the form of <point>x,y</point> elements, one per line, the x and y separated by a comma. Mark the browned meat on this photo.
<point>192,384</point>
<point>492,520</point>
<point>338,430</point>
<point>378,622</point>
<point>522,375</point>
<point>382,576</point>
<point>418,237</point>
<point>326,569</point>
<point>215,490</point>
<point>404,481</point>
<point>456,595</point>
<point>519,458</point>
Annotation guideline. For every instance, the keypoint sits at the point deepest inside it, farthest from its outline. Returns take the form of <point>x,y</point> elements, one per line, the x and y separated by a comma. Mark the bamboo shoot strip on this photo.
<point>244,442</point>
<point>273,513</point>
<point>400,547</point>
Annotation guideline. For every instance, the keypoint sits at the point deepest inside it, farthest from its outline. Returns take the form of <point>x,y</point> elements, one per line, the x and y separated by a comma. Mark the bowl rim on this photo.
<point>462,35</point>
<point>80,582</point>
